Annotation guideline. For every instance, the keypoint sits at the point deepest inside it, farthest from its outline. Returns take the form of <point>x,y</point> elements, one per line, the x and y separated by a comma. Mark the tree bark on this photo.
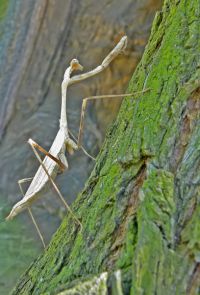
<point>140,207</point>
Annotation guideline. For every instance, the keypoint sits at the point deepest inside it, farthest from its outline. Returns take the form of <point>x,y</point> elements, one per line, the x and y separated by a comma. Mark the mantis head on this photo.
<point>75,65</point>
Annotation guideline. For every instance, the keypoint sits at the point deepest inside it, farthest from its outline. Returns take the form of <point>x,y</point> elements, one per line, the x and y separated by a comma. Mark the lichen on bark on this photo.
<point>140,206</point>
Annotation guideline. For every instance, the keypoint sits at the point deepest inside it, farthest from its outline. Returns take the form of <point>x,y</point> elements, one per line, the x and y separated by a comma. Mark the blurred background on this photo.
<point>38,38</point>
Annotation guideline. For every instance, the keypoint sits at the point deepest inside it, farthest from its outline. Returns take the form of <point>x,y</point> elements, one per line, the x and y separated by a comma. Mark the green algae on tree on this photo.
<point>3,8</point>
<point>13,238</point>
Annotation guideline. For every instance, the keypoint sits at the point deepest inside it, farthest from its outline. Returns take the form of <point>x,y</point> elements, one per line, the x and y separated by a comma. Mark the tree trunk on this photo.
<point>139,208</point>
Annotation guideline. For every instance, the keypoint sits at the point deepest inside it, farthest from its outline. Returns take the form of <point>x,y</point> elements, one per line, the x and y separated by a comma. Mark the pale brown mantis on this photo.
<point>55,159</point>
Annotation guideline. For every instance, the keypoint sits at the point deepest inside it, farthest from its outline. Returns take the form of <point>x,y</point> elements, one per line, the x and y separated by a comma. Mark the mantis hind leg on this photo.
<point>55,186</point>
<point>30,211</point>
<point>41,149</point>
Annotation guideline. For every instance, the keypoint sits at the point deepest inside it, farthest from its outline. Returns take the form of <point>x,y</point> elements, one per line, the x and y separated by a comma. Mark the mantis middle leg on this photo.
<point>84,104</point>
<point>33,146</point>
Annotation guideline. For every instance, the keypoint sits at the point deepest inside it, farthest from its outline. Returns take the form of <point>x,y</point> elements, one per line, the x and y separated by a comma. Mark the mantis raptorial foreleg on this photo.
<point>96,97</point>
<point>53,183</point>
<point>24,180</point>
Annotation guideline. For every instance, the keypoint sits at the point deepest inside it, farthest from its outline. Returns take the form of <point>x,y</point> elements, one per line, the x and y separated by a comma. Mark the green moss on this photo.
<point>3,8</point>
<point>17,250</point>
<point>125,260</point>
<point>96,285</point>
<point>190,236</point>
<point>155,230</point>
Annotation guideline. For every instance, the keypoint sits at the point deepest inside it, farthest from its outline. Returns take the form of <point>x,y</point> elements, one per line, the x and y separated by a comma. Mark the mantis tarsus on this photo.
<point>55,159</point>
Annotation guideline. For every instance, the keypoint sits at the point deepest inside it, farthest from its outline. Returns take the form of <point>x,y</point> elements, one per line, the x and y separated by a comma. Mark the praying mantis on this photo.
<point>55,159</point>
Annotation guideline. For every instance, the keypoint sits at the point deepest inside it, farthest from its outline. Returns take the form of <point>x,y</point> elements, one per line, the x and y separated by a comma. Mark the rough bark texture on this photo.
<point>140,207</point>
